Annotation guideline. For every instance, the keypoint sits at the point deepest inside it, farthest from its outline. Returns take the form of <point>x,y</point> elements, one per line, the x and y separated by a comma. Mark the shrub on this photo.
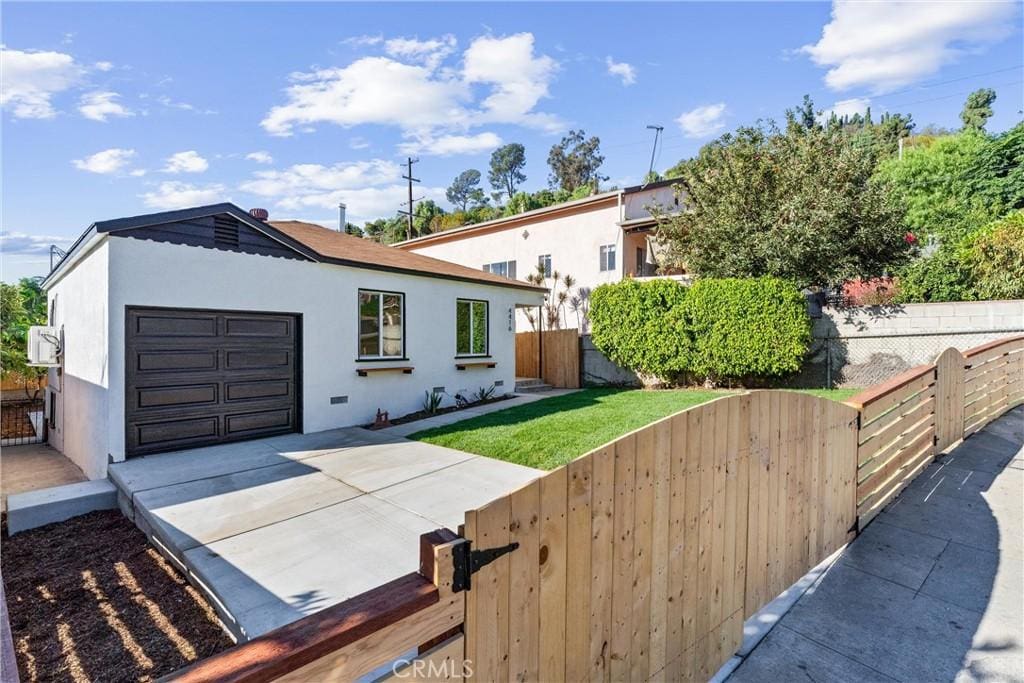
<point>995,254</point>
<point>747,328</point>
<point>727,329</point>
<point>640,326</point>
<point>942,276</point>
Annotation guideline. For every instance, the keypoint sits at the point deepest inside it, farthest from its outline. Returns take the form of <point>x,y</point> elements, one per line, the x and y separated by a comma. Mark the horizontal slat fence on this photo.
<point>643,558</point>
<point>561,357</point>
<point>993,382</point>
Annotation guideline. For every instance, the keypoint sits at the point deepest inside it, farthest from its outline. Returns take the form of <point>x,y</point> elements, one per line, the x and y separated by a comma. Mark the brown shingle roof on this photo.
<point>363,253</point>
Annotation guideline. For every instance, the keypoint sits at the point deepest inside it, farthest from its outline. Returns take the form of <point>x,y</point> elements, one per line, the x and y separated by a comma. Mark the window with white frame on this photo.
<point>470,327</point>
<point>503,268</point>
<point>544,262</point>
<point>608,257</point>
<point>381,328</point>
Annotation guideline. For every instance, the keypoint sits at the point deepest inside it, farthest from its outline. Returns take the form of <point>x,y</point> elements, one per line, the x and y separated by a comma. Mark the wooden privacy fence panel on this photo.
<point>561,367</point>
<point>993,382</point>
<point>643,558</point>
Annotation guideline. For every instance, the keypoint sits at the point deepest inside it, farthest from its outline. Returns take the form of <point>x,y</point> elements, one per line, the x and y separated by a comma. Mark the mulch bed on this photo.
<point>424,414</point>
<point>91,600</point>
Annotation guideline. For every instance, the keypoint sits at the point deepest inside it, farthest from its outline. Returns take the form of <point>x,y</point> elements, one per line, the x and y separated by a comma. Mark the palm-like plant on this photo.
<point>560,295</point>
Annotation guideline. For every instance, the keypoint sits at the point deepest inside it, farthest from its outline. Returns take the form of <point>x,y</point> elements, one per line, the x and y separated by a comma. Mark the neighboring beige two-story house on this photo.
<point>600,239</point>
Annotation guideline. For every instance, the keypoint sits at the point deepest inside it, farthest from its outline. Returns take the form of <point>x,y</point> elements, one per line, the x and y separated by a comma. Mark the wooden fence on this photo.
<point>642,559</point>
<point>561,362</point>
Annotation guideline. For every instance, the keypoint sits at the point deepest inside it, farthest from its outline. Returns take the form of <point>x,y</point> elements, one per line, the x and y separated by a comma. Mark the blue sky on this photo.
<point>114,109</point>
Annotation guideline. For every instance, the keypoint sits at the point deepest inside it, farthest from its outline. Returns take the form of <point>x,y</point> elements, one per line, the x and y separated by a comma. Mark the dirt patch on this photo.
<point>91,600</point>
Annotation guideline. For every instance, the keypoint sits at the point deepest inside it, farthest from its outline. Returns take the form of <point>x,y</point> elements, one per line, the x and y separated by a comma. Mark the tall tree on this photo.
<point>575,162</point>
<point>507,164</point>
<point>978,109</point>
<point>797,203</point>
<point>464,189</point>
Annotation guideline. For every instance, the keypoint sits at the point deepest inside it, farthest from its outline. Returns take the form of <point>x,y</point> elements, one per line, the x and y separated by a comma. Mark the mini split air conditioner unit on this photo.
<point>44,346</point>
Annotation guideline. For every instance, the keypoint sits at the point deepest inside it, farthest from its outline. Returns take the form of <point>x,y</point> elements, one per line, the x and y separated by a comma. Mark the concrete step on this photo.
<point>32,509</point>
<point>532,387</point>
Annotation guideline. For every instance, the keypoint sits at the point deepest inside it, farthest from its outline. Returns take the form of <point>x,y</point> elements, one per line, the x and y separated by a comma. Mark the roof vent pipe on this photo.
<point>261,214</point>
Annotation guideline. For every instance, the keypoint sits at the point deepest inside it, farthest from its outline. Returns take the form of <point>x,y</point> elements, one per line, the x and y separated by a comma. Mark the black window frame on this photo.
<point>487,327</point>
<point>380,336</point>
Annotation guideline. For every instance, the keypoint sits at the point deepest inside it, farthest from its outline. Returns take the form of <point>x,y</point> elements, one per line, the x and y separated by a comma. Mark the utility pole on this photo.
<point>408,176</point>
<point>654,148</point>
<point>900,157</point>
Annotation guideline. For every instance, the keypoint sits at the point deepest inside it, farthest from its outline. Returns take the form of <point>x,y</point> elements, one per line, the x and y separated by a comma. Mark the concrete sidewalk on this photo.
<point>278,528</point>
<point>933,590</point>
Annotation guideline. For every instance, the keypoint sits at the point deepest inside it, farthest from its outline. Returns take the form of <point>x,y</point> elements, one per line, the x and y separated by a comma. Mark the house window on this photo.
<point>502,268</point>
<point>608,257</point>
<point>381,329</point>
<point>640,261</point>
<point>544,262</point>
<point>470,327</point>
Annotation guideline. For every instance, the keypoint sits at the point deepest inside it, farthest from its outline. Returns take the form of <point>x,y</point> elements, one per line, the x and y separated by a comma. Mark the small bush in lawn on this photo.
<point>640,326</point>
<point>746,328</point>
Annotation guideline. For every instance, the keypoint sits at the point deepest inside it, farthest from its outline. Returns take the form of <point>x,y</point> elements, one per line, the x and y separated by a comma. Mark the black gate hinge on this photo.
<point>468,562</point>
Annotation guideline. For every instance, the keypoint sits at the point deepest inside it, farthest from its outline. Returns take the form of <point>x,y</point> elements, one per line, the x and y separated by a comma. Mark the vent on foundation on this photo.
<point>499,382</point>
<point>439,390</point>
<point>335,400</point>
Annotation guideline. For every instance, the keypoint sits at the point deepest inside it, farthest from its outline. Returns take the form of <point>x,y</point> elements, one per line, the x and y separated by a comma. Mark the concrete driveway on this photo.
<point>279,528</point>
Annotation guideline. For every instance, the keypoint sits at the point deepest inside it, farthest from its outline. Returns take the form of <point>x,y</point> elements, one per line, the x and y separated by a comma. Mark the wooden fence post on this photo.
<point>949,399</point>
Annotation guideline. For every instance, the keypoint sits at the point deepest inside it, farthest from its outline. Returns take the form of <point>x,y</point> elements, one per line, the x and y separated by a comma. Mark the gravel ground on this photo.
<point>91,600</point>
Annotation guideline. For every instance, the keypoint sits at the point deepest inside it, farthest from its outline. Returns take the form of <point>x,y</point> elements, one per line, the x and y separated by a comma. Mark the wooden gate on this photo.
<point>561,363</point>
<point>643,558</point>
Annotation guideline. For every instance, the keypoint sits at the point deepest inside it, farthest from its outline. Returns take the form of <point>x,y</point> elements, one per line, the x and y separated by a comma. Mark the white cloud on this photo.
<point>103,66</point>
<point>621,69</point>
<point>447,145</point>
<point>363,41</point>
<point>174,194</point>
<point>358,142</point>
<point>186,162</point>
<point>411,90</point>
<point>883,46</point>
<point>101,104</point>
<point>260,157</point>
<point>519,79</point>
<point>184,106</point>
<point>428,52</point>
<point>854,105</point>
<point>20,243</point>
<point>105,162</point>
<point>370,189</point>
<point>703,121</point>
<point>32,79</point>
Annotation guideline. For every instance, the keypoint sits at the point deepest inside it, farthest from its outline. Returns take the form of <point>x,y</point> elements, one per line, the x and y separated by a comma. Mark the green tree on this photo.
<point>798,203</point>
<point>954,184</point>
<point>978,109</point>
<point>21,306</point>
<point>507,164</point>
<point>423,216</point>
<point>353,229</point>
<point>995,256</point>
<point>575,162</point>
<point>465,189</point>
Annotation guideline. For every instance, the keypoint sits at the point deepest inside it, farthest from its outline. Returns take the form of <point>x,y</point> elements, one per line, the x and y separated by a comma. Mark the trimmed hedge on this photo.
<point>640,326</point>
<point>730,329</point>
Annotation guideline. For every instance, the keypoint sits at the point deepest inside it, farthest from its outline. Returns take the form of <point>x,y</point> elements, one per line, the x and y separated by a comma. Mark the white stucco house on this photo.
<point>206,325</point>
<point>600,239</point>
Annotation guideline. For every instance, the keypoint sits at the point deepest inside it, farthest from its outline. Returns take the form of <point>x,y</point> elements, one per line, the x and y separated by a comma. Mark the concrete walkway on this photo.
<point>460,415</point>
<point>933,590</point>
<point>33,467</point>
<point>279,528</point>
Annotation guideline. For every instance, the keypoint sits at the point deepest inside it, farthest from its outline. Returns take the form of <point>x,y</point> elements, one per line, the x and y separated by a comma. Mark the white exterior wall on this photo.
<point>574,242</point>
<point>145,273</point>
<point>81,388</point>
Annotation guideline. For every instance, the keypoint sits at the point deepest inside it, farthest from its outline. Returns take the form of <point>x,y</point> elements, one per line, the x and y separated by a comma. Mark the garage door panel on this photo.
<point>177,360</point>
<point>185,389</point>
<point>177,396</point>
<point>274,327</point>
<point>248,391</point>
<point>257,422</point>
<point>163,325</point>
<point>239,359</point>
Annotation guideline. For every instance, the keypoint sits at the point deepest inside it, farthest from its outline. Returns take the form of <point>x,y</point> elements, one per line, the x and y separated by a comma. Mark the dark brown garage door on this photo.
<point>196,377</point>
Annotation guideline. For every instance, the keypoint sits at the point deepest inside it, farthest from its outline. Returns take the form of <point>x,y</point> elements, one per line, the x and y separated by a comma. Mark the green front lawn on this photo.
<point>553,431</point>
